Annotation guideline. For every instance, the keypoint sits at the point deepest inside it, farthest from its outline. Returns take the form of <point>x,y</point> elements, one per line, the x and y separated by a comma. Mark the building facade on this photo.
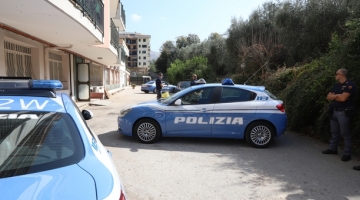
<point>139,51</point>
<point>74,41</point>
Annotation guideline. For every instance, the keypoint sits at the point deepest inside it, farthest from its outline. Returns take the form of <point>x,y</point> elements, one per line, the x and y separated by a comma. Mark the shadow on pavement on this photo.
<point>292,163</point>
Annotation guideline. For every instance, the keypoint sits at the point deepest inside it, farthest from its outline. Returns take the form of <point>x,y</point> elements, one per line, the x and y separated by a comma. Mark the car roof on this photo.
<point>245,87</point>
<point>31,95</point>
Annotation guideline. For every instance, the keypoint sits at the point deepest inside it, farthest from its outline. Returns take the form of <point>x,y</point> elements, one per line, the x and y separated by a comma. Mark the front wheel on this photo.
<point>260,134</point>
<point>147,131</point>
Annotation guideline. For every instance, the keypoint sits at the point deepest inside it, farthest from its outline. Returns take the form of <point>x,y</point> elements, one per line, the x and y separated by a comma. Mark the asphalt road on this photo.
<point>192,168</point>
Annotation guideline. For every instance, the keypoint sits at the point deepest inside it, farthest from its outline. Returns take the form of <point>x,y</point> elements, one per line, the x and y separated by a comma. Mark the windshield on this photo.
<point>37,141</point>
<point>150,82</point>
<point>175,96</point>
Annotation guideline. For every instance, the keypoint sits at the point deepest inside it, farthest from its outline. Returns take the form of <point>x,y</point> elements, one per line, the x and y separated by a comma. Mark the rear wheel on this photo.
<point>146,91</point>
<point>260,134</point>
<point>147,131</point>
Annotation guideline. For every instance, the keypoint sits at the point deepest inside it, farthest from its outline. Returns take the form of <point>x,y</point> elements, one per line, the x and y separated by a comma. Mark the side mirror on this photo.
<point>87,114</point>
<point>178,102</point>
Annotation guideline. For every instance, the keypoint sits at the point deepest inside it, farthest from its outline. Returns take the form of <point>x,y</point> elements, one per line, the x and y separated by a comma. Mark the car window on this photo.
<point>229,95</point>
<point>37,141</point>
<point>150,82</point>
<point>184,84</point>
<point>200,96</point>
<point>270,95</point>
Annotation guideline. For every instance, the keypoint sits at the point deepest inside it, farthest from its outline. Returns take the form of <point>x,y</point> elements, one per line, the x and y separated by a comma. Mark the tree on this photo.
<point>182,70</point>
<point>166,57</point>
<point>183,41</point>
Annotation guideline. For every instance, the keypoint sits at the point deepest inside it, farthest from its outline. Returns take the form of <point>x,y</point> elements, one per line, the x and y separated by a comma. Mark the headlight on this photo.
<point>123,112</point>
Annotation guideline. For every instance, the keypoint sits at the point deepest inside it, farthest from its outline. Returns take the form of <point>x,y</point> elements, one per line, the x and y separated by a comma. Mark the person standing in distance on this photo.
<point>159,85</point>
<point>194,79</point>
<point>341,96</point>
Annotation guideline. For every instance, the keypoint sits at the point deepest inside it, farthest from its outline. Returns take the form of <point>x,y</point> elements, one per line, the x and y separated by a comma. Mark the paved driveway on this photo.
<point>190,168</point>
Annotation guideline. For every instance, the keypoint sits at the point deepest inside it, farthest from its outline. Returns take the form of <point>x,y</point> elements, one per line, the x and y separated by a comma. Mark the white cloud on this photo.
<point>135,17</point>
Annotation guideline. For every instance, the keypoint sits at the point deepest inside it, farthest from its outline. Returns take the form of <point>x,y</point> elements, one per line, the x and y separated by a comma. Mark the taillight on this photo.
<point>281,107</point>
<point>122,196</point>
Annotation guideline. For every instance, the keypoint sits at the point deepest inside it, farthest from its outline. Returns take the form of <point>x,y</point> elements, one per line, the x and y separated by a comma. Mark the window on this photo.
<point>17,60</point>
<point>230,95</point>
<point>55,66</point>
<point>144,40</point>
<point>144,46</point>
<point>144,63</point>
<point>139,45</point>
<point>144,52</point>
<point>139,63</point>
<point>139,40</point>
<point>201,96</point>
<point>271,95</point>
<point>139,57</point>
<point>139,52</point>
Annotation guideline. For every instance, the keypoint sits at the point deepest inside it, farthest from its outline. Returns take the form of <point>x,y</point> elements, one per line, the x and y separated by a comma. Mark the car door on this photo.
<point>192,117</point>
<point>234,110</point>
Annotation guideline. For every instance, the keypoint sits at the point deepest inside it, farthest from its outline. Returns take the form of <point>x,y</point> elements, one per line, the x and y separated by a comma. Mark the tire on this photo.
<point>154,91</point>
<point>146,91</point>
<point>260,134</point>
<point>147,131</point>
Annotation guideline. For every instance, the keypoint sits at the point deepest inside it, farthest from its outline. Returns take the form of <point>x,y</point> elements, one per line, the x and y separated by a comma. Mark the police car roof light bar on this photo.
<point>30,84</point>
<point>45,84</point>
<point>227,81</point>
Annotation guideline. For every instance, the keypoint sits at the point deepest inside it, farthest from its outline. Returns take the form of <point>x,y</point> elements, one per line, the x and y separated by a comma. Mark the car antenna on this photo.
<point>256,72</point>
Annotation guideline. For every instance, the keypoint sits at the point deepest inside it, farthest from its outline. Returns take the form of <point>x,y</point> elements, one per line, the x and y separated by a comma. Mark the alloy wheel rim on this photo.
<point>260,135</point>
<point>146,132</point>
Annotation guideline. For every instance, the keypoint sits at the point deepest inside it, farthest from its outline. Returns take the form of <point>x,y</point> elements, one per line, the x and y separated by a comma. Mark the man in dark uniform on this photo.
<point>341,96</point>
<point>194,80</point>
<point>159,85</point>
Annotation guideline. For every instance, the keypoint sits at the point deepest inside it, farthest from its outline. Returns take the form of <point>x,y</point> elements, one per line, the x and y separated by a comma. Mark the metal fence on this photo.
<point>114,36</point>
<point>94,10</point>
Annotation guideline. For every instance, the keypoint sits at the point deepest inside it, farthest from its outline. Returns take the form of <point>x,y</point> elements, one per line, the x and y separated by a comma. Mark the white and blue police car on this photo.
<point>217,110</point>
<point>47,151</point>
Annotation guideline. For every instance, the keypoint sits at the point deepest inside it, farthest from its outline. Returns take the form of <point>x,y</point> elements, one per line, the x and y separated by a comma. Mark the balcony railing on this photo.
<point>94,10</point>
<point>123,17</point>
<point>114,36</point>
<point>123,55</point>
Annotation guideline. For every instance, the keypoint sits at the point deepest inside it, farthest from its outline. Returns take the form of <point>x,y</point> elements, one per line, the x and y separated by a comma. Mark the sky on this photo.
<point>165,20</point>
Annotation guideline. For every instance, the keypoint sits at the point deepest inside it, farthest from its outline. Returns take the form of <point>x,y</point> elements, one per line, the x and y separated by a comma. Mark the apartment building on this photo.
<point>139,51</point>
<point>74,41</point>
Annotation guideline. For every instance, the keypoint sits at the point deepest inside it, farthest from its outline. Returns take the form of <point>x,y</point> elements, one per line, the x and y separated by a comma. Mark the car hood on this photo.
<point>69,182</point>
<point>148,102</point>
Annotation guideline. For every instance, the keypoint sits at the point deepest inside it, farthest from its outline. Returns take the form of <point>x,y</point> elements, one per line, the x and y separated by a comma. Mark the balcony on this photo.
<point>123,54</point>
<point>123,17</point>
<point>118,14</point>
<point>114,35</point>
<point>94,10</point>
<point>82,27</point>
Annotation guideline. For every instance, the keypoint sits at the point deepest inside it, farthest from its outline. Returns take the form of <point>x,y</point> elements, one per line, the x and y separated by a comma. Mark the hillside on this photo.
<point>154,55</point>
